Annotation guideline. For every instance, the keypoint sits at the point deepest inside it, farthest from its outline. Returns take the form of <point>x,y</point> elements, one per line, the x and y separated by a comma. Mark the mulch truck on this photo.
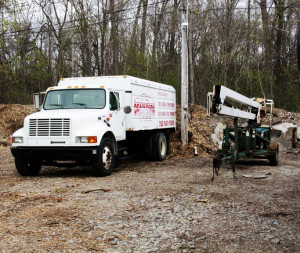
<point>96,120</point>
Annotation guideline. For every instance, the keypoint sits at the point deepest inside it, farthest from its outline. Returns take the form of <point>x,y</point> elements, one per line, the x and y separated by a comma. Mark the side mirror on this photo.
<point>127,109</point>
<point>36,101</point>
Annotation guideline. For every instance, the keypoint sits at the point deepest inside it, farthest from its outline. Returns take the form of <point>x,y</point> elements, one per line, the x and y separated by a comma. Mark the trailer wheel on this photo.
<point>103,164</point>
<point>27,167</point>
<point>274,159</point>
<point>160,146</point>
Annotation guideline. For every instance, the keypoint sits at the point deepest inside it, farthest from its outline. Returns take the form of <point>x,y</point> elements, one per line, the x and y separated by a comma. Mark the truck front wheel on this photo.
<point>160,146</point>
<point>27,167</point>
<point>103,164</point>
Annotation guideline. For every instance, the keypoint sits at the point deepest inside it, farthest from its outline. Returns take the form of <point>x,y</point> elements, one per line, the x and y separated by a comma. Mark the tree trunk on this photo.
<point>157,25</point>
<point>143,31</point>
<point>103,50</point>
<point>114,38</point>
<point>133,41</point>
<point>249,84</point>
<point>173,31</point>
<point>267,42</point>
<point>191,64</point>
<point>279,12</point>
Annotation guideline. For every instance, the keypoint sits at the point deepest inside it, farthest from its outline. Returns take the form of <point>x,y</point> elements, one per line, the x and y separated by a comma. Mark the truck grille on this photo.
<point>49,127</point>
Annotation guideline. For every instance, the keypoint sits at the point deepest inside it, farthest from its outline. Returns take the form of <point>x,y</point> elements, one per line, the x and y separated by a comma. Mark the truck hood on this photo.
<point>67,113</point>
<point>76,120</point>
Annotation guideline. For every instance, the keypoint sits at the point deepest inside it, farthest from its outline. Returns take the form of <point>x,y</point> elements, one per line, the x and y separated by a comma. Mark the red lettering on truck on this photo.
<point>144,107</point>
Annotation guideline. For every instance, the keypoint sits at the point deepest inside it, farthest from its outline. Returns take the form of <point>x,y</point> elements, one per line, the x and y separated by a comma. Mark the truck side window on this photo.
<point>114,101</point>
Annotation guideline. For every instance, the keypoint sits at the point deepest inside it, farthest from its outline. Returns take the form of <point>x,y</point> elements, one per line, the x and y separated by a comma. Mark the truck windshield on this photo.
<point>75,99</point>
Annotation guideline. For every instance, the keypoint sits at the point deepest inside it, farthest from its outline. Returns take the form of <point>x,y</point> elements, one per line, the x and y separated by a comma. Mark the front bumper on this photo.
<point>55,153</point>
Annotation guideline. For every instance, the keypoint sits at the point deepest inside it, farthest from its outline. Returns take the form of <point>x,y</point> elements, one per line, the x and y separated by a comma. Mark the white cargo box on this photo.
<point>153,104</point>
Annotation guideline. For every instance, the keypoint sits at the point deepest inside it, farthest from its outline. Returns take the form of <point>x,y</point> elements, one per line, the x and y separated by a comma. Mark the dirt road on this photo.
<point>152,207</point>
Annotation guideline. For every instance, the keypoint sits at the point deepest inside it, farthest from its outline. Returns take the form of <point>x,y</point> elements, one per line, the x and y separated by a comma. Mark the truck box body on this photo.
<point>153,104</point>
<point>79,112</point>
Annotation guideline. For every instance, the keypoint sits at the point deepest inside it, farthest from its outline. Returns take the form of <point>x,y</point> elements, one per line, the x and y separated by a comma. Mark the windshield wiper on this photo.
<point>58,105</point>
<point>82,104</point>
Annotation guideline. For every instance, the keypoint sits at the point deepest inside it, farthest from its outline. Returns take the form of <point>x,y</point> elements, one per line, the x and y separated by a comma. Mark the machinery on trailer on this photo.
<point>241,142</point>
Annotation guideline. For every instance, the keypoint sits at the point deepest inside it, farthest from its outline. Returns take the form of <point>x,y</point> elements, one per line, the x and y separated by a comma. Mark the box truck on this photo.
<point>96,120</point>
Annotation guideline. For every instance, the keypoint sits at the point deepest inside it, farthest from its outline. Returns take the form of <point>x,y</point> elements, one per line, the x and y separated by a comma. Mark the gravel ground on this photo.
<point>152,207</point>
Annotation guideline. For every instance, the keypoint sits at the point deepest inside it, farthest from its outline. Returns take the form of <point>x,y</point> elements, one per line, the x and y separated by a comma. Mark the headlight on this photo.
<point>86,139</point>
<point>17,140</point>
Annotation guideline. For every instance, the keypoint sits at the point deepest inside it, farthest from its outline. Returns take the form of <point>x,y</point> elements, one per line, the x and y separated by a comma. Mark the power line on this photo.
<point>80,19</point>
<point>244,8</point>
<point>34,30</point>
<point>21,5</point>
<point>90,24</point>
<point>136,7</point>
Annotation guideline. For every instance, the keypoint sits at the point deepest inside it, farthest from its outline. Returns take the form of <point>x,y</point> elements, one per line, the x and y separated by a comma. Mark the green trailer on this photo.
<point>246,143</point>
<point>241,142</point>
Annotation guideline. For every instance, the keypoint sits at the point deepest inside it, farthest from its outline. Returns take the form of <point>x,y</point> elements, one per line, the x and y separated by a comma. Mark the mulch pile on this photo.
<point>282,116</point>
<point>201,127</point>
<point>11,118</point>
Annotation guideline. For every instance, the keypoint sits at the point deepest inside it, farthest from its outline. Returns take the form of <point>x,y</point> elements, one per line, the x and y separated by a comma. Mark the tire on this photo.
<point>159,146</point>
<point>274,159</point>
<point>103,164</point>
<point>27,167</point>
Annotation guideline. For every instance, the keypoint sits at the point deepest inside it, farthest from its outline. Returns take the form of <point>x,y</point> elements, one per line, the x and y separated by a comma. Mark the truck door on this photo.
<point>116,114</point>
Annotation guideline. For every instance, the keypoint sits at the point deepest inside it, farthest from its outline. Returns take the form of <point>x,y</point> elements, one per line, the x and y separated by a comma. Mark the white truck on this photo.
<point>95,119</point>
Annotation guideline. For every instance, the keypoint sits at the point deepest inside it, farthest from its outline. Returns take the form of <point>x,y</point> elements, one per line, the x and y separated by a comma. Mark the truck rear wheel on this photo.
<point>27,167</point>
<point>103,164</point>
<point>160,146</point>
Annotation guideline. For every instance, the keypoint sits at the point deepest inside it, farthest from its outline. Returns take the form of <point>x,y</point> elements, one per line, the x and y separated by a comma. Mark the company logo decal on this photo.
<point>144,107</point>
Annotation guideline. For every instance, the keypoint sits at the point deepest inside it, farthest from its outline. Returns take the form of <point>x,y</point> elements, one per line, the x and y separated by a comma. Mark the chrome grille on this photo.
<point>49,127</point>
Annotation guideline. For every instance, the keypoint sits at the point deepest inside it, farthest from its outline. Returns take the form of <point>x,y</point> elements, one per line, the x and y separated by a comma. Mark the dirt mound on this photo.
<point>12,117</point>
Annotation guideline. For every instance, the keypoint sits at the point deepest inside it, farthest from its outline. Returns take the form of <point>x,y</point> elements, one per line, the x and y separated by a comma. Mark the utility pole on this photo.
<point>184,74</point>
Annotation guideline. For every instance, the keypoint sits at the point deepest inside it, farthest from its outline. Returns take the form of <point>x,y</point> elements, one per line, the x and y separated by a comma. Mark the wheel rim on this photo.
<point>107,157</point>
<point>163,147</point>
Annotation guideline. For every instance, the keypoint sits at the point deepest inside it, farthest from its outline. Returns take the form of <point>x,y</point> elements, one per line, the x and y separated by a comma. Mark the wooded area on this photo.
<point>247,45</point>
